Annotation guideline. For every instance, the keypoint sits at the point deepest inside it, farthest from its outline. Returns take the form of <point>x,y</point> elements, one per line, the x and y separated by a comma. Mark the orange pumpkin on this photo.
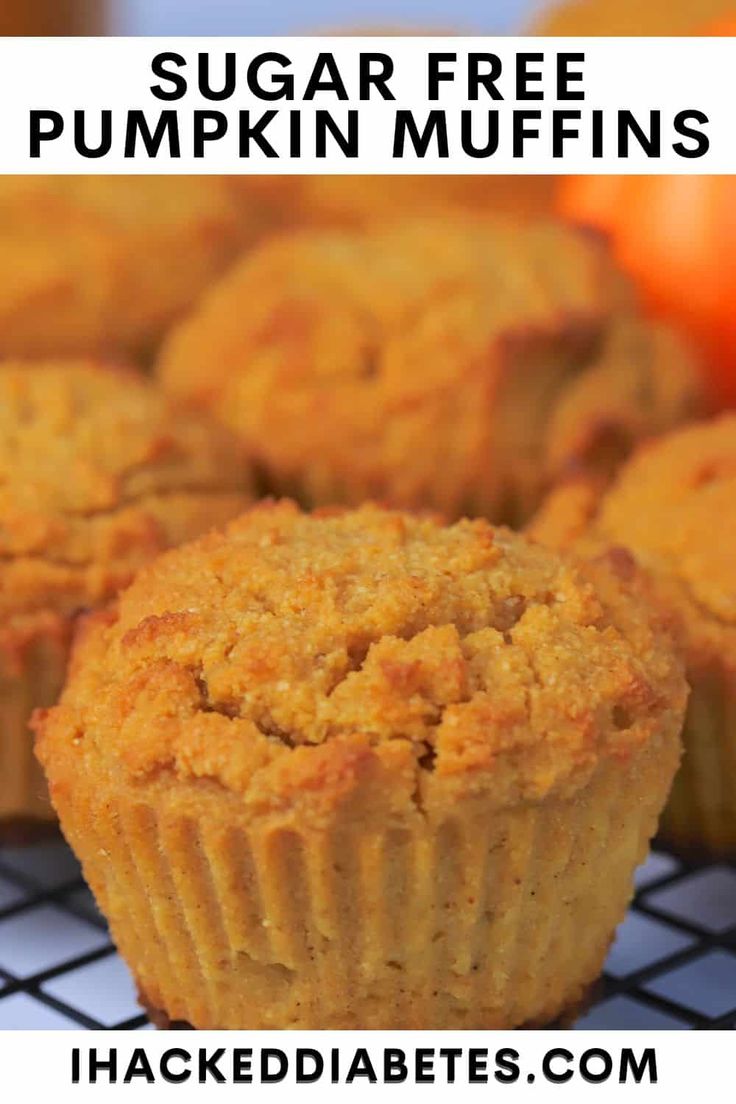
<point>626,17</point>
<point>676,235</point>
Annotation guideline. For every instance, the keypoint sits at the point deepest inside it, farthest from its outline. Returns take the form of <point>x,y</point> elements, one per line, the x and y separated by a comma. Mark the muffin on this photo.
<point>674,506</point>
<point>102,265</point>
<point>455,363</point>
<point>355,202</point>
<point>362,770</point>
<point>97,474</point>
<point>626,17</point>
<point>52,17</point>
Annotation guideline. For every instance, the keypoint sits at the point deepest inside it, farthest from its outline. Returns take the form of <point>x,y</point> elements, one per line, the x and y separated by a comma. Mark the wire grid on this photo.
<point>672,965</point>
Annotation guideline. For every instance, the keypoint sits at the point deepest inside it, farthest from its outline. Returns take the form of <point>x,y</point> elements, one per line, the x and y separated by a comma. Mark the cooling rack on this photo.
<point>672,965</point>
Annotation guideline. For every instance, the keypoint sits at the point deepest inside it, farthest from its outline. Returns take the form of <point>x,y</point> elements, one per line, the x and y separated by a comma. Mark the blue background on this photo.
<point>301,16</point>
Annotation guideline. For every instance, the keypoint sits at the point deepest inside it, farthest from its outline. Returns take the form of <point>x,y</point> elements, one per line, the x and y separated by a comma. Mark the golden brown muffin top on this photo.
<point>294,656</point>
<point>98,471</point>
<point>456,362</point>
<point>674,506</point>
<point>103,264</point>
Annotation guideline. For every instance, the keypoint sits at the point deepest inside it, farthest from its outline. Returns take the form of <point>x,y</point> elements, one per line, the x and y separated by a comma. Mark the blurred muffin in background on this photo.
<point>674,506</point>
<point>462,363</point>
<point>362,770</point>
<point>98,472</point>
<point>626,17</point>
<point>360,201</point>
<point>53,17</point>
<point>102,265</point>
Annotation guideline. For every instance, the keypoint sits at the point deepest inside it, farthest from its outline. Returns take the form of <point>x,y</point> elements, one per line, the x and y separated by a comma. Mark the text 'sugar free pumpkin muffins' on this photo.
<point>454,362</point>
<point>103,265</point>
<point>674,506</point>
<point>98,473</point>
<point>362,770</point>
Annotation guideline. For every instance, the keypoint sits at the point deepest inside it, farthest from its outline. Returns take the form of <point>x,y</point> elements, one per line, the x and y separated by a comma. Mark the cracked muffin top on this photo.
<point>294,660</point>
<point>98,472</point>
<point>674,506</point>
<point>459,363</point>
<point>104,264</point>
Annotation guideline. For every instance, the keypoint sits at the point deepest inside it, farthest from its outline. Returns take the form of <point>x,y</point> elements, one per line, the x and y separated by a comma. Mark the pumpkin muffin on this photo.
<point>674,506</point>
<point>456,363</point>
<point>97,474</point>
<point>102,265</point>
<point>362,770</point>
<point>356,202</point>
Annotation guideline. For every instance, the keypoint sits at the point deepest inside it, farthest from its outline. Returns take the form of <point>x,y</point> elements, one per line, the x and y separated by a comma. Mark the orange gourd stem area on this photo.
<point>676,236</point>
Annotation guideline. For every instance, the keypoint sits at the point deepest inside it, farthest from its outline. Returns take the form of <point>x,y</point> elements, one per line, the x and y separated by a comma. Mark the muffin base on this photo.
<point>31,677</point>
<point>566,1018</point>
<point>470,916</point>
<point>699,821</point>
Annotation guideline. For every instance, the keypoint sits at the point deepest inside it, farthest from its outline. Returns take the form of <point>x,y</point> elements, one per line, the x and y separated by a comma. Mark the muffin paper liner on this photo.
<point>479,918</point>
<point>33,683</point>
<point>700,818</point>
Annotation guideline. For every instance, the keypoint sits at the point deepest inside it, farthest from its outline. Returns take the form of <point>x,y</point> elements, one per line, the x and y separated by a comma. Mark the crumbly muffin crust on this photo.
<point>456,362</point>
<point>674,506</point>
<point>293,658</point>
<point>98,472</point>
<point>103,264</point>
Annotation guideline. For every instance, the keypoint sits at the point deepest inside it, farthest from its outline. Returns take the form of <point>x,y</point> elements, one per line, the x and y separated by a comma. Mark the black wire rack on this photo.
<point>672,965</point>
